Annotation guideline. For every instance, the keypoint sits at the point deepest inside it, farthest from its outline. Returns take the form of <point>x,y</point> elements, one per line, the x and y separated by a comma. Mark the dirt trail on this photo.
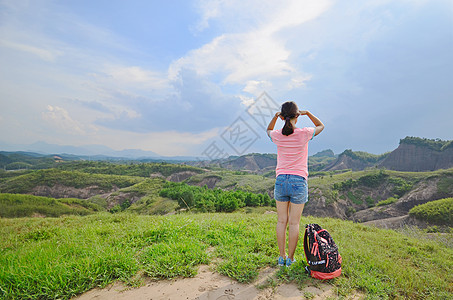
<point>208,285</point>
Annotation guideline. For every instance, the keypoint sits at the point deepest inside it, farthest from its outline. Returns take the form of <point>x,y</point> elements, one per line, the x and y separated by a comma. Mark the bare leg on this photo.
<point>282,222</point>
<point>295,211</point>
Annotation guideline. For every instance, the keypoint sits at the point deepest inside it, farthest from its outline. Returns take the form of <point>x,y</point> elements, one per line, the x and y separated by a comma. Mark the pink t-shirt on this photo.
<point>292,151</point>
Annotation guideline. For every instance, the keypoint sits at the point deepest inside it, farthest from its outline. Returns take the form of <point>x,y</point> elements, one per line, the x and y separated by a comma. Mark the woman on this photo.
<point>291,190</point>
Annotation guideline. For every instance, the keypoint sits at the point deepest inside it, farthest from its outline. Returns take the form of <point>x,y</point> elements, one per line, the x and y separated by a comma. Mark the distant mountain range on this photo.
<point>94,152</point>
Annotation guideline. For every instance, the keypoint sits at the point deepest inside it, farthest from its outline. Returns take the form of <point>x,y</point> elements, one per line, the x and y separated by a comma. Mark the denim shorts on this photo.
<point>293,188</point>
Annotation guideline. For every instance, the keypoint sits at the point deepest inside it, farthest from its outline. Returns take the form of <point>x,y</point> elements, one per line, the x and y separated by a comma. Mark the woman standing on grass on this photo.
<point>291,189</point>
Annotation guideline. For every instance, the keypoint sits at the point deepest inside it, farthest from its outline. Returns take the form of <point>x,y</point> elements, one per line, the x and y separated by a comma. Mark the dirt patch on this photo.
<point>181,176</point>
<point>208,285</point>
<point>209,181</point>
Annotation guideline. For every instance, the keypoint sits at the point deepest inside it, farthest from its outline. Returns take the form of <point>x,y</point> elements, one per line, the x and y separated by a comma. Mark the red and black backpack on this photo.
<point>324,261</point>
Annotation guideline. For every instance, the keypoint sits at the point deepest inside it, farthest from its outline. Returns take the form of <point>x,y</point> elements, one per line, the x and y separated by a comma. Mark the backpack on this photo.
<point>324,261</point>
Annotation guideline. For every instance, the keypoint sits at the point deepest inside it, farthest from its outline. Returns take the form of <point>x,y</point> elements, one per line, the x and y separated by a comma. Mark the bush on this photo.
<point>438,212</point>
<point>401,186</point>
<point>373,180</point>
<point>387,202</point>
<point>210,200</point>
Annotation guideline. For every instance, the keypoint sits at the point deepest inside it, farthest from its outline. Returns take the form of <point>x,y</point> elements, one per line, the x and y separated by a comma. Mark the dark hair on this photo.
<point>289,111</point>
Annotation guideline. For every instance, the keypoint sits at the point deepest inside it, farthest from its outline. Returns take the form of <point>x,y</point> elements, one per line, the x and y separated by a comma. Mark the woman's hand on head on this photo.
<point>303,112</point>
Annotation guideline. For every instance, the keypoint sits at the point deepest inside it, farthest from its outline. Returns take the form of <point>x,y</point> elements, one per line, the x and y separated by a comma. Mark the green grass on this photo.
<point>61,257</point>
<point>438,212</point>
<point>17,205</point>
<point>445,185</point>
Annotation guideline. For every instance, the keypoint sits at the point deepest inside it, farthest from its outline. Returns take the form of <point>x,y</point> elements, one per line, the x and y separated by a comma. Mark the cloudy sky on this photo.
<point>181,77</point>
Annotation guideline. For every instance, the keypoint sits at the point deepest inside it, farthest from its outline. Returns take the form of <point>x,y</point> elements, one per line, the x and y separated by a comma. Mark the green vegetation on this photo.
<point>356,188</point>
<point>231,180</point>
<point>364,156</point>
<point>97,249</point>
<point>24,160</point>
<point>14,205</point>
<point>445,185</point>
<point>400,186</point>
<point>25,183</point>
<point>212,200</point>
<point>388,201</point>
<point>371,180</point>
<point>5,175</point>
<point>438,212</point>
<point>131,169</point>
<point>316,163</point>
<point>433,144</point>
<point>150,202</point>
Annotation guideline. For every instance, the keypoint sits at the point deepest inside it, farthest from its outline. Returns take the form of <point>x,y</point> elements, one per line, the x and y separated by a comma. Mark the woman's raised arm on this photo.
<point>319,125</point>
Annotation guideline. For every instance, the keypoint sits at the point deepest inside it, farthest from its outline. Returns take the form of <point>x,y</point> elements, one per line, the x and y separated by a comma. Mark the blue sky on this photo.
<point>172,77</point>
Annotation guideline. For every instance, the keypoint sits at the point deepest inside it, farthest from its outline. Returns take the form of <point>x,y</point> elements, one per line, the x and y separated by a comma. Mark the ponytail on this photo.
<point>288,128</point>
<point>289,111</point>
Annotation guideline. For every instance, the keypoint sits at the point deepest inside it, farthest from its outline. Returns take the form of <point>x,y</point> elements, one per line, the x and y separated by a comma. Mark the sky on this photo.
<point>203,78</point>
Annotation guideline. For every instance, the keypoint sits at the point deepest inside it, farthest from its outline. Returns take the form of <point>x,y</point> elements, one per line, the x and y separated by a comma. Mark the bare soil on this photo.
<point>208,285</point>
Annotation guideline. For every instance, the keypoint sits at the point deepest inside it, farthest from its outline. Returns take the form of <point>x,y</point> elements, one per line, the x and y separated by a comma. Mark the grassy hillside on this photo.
<point>25,160</point>
<point>434,144</point>
<point>131,169</point>
<point>50,177</point>
<point>98,249</point>
<point>367,188</point>
<point>15,205</point>
<point>364,156</point>
<point>438,212</point>
<point>150,201</point>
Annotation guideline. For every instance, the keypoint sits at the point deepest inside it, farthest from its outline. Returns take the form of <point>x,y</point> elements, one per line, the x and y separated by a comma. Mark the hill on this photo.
<point>15,205</point>
<point>375,194</point>
<point>354,160</point>
<point>413,154</point>
<point>417,154</point>
<point>356,195</point>
<point>438,212</point>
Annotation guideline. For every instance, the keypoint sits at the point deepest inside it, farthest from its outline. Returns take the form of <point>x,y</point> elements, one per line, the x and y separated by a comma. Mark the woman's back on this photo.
<point>292,151</point>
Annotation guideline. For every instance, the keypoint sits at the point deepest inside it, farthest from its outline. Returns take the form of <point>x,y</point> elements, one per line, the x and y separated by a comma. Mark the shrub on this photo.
<point>401,186</point>
<point>374,179</point>
<point>387,202</point>
<point>438,212</point>
<point>208,200</point>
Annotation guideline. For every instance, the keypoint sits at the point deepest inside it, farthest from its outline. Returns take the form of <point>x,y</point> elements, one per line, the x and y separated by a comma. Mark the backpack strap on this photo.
<point>306,243</point>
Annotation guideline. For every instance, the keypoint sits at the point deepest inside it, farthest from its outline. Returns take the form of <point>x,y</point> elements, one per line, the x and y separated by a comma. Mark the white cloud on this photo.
<point>135,74</point>
<point>60,120</point>
<point>258,52</point>
<point>256,87</point>
<point>44,54</point>
<point>298,81</point>
<point>208,10</point>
